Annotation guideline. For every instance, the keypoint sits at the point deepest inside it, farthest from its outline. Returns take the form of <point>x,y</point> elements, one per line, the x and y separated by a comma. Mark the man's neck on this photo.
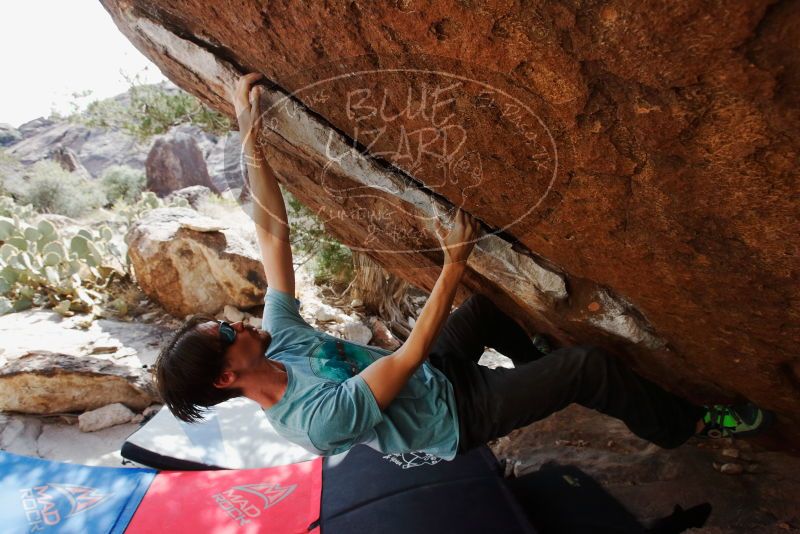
<point>268,383</point>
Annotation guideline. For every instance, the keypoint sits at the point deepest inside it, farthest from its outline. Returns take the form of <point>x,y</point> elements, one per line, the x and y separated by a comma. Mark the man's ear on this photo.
<point>225,379</point>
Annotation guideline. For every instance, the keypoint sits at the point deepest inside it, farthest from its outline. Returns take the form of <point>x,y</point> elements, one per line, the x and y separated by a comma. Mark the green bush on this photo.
<point>331,261</point>
<point>152,110</point>
<point>51,189</point>
<point>10,173</point>
<point>122,183</point>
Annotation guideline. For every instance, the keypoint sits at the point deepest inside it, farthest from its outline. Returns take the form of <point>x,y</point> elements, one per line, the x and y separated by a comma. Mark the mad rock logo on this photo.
<point>50,505</point>
<point>246,502</point>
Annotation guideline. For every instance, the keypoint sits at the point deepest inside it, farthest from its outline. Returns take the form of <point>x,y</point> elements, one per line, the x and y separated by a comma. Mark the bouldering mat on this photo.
<point>233,435</point>
<point>279,500</point>
<point>367,491</point>
<point>44,496</point>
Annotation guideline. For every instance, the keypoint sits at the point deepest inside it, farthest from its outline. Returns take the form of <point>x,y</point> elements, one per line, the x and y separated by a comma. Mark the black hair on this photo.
<point>186,369</point>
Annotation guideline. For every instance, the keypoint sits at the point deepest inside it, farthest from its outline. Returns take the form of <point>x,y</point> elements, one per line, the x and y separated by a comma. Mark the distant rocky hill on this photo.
<point>184,156</point>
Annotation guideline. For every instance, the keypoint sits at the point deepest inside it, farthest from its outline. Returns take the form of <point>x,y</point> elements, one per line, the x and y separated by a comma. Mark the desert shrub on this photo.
<point>10,173</point>
<point>51,189</point>
<point>147,200</point>
<point>150,110</point>
<point>122,183</point>
<point>330,260</point>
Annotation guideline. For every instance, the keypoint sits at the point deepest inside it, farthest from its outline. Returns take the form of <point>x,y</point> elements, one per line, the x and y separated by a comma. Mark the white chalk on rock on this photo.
<point>105,417</point>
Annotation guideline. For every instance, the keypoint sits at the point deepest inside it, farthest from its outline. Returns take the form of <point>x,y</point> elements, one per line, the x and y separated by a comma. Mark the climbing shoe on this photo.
<point>734,421</point>
<point>541,344</point>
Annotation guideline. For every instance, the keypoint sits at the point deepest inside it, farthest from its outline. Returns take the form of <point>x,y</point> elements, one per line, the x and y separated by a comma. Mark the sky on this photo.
<point>54,48</point>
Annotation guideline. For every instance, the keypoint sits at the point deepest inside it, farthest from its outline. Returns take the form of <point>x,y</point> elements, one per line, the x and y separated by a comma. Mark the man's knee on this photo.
<point>587,357</point>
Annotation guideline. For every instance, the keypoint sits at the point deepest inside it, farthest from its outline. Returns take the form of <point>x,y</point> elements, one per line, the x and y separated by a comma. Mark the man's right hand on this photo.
<point>245,98</point>
<point>457,245</point>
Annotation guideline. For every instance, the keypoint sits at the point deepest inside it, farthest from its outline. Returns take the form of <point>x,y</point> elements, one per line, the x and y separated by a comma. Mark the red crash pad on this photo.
<point>279,500</point>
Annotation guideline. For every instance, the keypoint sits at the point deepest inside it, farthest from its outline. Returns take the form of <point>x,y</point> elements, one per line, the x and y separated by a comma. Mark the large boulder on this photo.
<point>175,161</point>
<point>44,382</point>
<point>190,263</point>
<point>635,162</point>
<point>222,155</point>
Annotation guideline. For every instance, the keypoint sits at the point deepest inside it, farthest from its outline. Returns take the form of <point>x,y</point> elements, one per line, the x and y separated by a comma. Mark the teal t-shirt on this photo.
<point>328,407</point>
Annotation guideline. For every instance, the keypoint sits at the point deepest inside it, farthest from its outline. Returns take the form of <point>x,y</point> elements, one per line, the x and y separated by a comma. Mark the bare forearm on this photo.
<point>269,209</point>
<point>430,321</point>
<point>388,375</point>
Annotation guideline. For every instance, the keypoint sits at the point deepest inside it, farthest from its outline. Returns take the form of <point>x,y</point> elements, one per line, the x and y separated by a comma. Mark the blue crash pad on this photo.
<point>43,496</point>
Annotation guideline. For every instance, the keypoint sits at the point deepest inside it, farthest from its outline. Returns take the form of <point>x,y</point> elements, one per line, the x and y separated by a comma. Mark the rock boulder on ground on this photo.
<point>48,382</point>
<point>635,162</point>
<point>104,417</point>
<point>356,331</point>
<point>193,194</point>
<point>68,160</point>
<point>174,162</point>
<point>191,263</point>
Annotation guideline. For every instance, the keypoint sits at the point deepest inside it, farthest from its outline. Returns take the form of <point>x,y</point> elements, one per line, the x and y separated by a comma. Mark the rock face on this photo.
<point>634,165</point>
<point>174,162</point>
<point>76,145</point>
<point>47,382</point>
<point>191,263</point>
<point>68,160</point>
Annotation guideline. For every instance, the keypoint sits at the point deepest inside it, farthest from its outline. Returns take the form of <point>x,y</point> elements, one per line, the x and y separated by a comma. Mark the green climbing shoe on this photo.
<point>541,343</point>
<point>734,421</point>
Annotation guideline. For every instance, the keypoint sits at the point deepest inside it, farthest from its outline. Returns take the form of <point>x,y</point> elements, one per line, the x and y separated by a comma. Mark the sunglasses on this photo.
<point>226,332</point>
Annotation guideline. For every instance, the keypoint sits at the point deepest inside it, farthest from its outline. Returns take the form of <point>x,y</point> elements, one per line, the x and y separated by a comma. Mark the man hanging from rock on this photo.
<point>429,395</point>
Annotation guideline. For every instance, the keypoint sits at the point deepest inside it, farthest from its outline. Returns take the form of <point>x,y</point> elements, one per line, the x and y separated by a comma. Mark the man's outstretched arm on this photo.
<point>269,209</point>
<point>387,376</point>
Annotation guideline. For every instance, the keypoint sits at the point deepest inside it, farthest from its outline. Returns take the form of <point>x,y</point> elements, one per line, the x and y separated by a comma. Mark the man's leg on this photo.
<point>474,325</point>
<point>584,375</point>
<point>479,323</point>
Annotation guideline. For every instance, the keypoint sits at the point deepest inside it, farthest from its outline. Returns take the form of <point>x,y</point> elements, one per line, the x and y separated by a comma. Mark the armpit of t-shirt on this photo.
<point>281,311</point>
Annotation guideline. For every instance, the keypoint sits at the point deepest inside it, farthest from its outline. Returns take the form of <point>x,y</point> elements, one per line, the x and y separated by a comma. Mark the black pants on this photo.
<point>493,402</point>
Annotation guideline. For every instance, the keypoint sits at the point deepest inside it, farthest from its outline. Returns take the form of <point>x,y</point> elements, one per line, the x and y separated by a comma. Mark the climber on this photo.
<point>428,395</point>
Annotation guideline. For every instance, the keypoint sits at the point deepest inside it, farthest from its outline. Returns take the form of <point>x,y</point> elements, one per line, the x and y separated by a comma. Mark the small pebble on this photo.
<point>732,469</point>
<point>730,453</point>
<point>752,468</point>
